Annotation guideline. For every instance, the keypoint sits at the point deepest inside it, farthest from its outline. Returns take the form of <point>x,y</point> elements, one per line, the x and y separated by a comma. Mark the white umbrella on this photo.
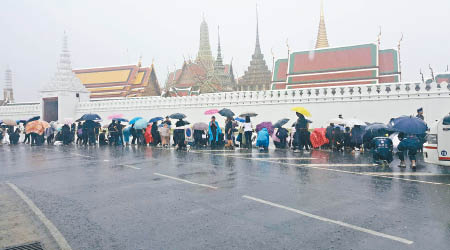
<point>337,121</point>
<point>353,122</point>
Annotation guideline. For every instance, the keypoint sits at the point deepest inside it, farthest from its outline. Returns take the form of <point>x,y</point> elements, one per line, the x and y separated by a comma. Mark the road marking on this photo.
<point>106,160</point>
<point>85,156</point>
<point>129,166</point>
<point>287,158</point>
<point>56,234</point>
<point>186,181</point>
<point>338,170</point>
<point>340,223</point>
<point>405,174</point>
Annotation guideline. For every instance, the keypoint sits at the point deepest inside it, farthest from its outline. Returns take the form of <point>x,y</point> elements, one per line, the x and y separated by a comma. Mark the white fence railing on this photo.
<point>387,91</point>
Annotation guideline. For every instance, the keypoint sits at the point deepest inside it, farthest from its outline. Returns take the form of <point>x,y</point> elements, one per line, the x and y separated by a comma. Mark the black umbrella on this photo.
<point>177,116</point>
<point>34,119</point>
<point>90,117</point>
<point>249,114</point>
<point>226,112</point>
<point>281,123</point>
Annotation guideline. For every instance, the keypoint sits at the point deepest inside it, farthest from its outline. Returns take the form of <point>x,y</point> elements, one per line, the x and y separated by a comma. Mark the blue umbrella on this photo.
<point>34,118</point>
<point>90,117</point>
<point>408,125</point>
<point>134,120</point>
<point>120,119</point>
<point>239,119</point>
<point>140,124</point>
<point>155,119</point>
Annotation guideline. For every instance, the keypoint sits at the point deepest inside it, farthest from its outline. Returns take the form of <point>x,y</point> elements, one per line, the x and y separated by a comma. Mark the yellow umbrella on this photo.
<point>302,111</point>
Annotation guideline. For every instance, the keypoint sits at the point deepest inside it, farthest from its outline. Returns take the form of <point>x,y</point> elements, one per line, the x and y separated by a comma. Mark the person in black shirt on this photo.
<point>420,114</point>
<point>229,132</point>
<point>178,134</point>
<point>301,133</point>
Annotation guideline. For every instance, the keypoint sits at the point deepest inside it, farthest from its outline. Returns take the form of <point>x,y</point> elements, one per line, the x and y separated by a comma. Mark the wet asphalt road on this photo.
<point>147,198</point>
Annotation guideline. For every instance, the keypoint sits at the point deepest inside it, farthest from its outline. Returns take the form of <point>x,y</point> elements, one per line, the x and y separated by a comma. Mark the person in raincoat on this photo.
<point>263,140</point>
<point>213,132</point>
<point>382,150</point>
<point>148,134</point>
<point>409,144</point>
<point>50,134</point>
<point>79,134</point>
<point>164,131</point>
<point>155,134</point>
<point>126,136</point>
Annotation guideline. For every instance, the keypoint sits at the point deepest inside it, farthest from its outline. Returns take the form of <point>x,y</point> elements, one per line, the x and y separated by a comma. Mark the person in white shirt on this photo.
<point>248,131</point>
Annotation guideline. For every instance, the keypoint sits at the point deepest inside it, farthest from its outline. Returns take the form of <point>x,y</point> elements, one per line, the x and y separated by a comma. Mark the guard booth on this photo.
<point>437,147</point>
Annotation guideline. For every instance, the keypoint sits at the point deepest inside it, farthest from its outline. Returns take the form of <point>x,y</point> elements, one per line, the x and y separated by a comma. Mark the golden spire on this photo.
<point>322,40</point>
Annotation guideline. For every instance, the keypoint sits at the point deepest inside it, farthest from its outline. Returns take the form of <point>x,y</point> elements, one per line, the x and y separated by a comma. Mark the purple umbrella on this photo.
<point>267,125</point>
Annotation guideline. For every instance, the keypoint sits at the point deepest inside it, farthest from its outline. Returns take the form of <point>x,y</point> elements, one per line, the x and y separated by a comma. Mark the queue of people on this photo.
<point>240,132</point>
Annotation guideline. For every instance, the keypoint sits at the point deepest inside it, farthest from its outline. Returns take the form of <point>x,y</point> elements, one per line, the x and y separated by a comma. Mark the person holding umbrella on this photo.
<point>229,132</point>
<point>248,131</point>
<point>301,129</point>
<point>410,128</point>
<point>178,135</point>
<point>213,132</point>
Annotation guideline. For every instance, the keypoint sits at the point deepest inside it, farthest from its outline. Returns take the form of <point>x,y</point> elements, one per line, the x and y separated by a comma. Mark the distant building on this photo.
<point>204,75</point>
<point>325,66</point>
<point>120,81</point>
<point>257,76</point>
<point>8,94</point>
<point>440,78</point>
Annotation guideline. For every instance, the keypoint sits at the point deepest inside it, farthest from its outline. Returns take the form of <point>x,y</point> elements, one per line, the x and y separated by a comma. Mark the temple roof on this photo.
<point>119,81</point>
<point>257,72</point>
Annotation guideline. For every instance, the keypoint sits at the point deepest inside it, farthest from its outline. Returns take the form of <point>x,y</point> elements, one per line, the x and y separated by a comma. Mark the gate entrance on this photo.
<point>50,109</point>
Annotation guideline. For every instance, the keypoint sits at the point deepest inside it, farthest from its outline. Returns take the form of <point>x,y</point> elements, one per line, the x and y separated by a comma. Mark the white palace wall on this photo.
<point>369,103</point>
<point>372,103</point>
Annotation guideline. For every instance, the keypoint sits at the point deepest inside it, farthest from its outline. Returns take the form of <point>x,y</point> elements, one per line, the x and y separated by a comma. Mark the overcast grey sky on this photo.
<point>108,32</point>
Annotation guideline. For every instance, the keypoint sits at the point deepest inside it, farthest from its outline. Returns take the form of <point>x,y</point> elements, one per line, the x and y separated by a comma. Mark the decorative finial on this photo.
<point>379,36</point>
<point>140,61</point>
<point>322,39</point>
<point>321,8</point>
<point>421,74</point>
<point>432,72</point>
<point>399,56</point>
<point>257,46</point>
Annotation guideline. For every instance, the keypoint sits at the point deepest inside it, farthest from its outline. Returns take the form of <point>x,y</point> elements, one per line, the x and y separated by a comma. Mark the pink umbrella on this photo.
<point>211,112</point>
<point>115,116</point>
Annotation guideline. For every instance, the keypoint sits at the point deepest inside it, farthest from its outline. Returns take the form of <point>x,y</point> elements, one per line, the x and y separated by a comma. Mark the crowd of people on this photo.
<point>236,132</point>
